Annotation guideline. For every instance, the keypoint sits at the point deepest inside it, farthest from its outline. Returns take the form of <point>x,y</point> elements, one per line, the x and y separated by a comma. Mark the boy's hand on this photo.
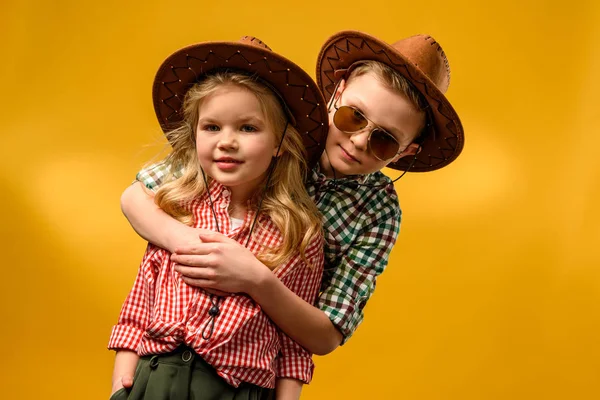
<point>219,264</point>
<point>183,237</point>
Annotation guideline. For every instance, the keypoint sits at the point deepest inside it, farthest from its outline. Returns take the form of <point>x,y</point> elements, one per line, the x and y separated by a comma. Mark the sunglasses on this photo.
<point>382,144</point>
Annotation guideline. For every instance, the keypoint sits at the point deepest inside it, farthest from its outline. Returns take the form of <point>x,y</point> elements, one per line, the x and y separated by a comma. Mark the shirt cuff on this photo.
<point>345,313</point>
<point>296,367</point>
<point>125,337</point>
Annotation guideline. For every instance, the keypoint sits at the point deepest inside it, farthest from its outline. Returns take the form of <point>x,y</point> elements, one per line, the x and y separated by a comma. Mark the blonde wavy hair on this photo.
<point>285,199</point>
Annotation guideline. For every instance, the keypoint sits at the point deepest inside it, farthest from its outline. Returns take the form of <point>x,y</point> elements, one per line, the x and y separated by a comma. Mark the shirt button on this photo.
<point>226,193</point>
<point>223,205</point>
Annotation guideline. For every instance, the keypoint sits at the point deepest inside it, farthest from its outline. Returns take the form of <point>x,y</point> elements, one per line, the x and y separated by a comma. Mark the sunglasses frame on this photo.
<point>375,127</point>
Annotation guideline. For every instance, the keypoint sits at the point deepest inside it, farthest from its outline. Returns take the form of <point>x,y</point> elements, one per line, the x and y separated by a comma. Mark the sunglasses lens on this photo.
<point>348,119</point>
<point>383,145</point>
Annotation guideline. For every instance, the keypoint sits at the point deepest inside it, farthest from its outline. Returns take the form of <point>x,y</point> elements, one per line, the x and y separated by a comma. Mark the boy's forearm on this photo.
<point>288,389</point>
<point>301,321</point>
<point>148,220</point>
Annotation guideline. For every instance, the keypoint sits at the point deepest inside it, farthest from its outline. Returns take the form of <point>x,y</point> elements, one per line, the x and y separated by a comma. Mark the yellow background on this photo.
<point>493,289</point>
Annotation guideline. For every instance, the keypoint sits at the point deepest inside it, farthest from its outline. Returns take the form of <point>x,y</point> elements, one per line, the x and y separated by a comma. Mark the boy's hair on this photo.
<point>397,83</point>
<point>285,200</point>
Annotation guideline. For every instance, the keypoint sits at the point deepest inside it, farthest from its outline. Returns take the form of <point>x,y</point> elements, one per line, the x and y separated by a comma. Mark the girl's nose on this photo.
<point>227,140</point>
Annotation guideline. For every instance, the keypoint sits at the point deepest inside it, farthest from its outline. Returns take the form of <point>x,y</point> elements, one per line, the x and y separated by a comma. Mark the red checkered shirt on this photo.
<point>162,312</point>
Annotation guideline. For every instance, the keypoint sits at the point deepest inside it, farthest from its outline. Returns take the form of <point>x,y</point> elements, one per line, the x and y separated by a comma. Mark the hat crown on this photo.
<point>254,41</point>
<point>427,55</point>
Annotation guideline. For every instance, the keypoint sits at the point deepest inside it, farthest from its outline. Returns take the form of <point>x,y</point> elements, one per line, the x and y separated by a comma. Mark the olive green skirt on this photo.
<point>183,375</point>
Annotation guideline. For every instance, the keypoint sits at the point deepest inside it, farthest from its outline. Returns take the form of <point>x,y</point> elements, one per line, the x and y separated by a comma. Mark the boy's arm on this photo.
<point>151,222</point>
<point>288,389</point>
<point>354,278</point>
<point>222,263</point>
<point>125,364</point>
<point>294,361</point>
<point>303,322</point>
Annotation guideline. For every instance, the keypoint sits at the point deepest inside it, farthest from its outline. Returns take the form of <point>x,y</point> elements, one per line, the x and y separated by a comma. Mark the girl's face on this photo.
<point>234,141</point>
<point>348,153</point>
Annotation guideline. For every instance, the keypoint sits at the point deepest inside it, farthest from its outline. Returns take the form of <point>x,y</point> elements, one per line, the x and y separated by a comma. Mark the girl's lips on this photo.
<point>227,164</point>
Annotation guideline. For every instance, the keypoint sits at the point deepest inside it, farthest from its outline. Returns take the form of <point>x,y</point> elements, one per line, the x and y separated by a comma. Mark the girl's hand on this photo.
<point>221,263</point>
<point>124,370</point>
<point>125,381</point>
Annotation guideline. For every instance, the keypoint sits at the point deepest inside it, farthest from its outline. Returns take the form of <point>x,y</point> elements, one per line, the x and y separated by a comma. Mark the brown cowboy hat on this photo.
<point>299,94</point>
<point>419,59</point>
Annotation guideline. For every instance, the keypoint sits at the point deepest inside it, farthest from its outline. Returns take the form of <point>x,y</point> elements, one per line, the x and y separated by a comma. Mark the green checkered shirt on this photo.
<point>361,224</point>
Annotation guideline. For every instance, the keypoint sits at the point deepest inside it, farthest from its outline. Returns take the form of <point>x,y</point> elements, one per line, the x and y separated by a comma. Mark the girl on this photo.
<point>240,168</point>
<point>387,109</point>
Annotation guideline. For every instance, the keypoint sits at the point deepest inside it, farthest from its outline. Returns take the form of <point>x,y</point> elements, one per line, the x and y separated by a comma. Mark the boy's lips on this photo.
<point>348,156</point>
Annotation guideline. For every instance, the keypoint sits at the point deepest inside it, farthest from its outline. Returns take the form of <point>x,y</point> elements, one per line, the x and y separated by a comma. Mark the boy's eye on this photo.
<point>249,128</point>
<point>357,116</point>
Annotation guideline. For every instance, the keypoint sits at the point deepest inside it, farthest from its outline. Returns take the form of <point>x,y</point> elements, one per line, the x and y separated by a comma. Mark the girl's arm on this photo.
<point>151,222</point>
<point>134,317</point>
<point>288,389</point>
<point>125,363</point>
<point>221,262</point>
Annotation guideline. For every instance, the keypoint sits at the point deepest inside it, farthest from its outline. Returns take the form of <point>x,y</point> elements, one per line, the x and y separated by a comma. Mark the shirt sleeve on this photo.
<point>154,175</point>
<point>135,313</point>
<point>294,361</point>
<point>353,280</point>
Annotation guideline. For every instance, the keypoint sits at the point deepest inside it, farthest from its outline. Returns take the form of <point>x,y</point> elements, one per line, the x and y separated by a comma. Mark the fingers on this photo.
<point>198,249</point>
<point>200,283</point>
<point>210,236</point>
<point>195,272</point>
<point>191,260</point>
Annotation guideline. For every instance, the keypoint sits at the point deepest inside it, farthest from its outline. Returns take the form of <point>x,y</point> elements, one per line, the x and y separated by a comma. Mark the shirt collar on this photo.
<point>376,178</point>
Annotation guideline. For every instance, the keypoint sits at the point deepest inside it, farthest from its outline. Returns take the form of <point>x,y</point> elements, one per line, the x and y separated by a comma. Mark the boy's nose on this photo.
<point>360,139</point>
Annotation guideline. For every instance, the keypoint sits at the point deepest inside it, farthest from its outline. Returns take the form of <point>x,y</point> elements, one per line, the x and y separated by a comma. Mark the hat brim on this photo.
<point>441,146</point>
<point>181,70</point>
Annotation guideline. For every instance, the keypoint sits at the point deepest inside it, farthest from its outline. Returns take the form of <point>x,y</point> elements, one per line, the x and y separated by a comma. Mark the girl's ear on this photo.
<point>281,152</point>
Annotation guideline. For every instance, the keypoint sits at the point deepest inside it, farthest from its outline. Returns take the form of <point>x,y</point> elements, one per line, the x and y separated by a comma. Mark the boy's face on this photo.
<point>348,153</point>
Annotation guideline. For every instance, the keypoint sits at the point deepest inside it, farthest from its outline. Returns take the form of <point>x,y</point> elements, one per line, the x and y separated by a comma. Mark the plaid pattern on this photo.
<point>361,224</point>
<point>161,311</point>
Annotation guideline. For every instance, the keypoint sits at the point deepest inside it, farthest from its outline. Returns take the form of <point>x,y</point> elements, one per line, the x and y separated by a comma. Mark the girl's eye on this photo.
<point>210,128</point>
<point>249,128</point>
